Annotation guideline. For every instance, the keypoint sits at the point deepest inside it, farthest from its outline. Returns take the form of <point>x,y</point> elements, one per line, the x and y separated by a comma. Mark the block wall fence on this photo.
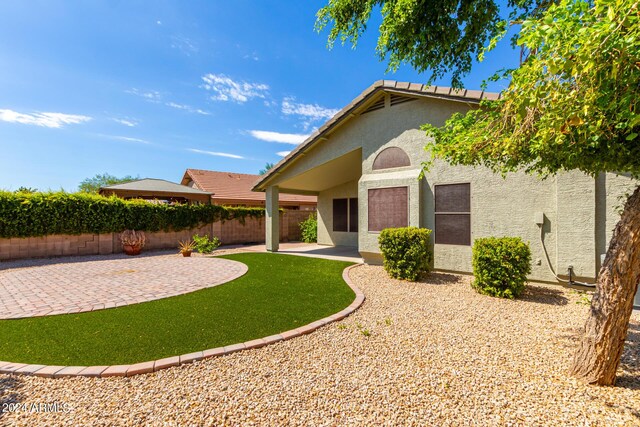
<point>229,232</point>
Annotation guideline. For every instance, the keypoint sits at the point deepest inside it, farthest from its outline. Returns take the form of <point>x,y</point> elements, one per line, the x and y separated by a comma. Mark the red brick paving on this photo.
<point>77,284</point>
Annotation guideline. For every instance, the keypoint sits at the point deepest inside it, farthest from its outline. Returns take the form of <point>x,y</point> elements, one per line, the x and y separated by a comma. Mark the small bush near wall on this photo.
<point>309,229</point>
<point>406,251</point>
<point>40,214</point>
<point>500,266</point>
<point>205,246</point>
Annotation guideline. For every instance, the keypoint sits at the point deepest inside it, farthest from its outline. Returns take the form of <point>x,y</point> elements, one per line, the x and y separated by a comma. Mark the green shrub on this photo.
<point>26,214</point>
<point>500,266</point>
<point>204,245</point>
<point>406,251</point>
<point>309,229</point>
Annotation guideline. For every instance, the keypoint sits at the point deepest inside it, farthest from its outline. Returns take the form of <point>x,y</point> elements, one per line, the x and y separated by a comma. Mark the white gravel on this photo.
<point>427,353</point>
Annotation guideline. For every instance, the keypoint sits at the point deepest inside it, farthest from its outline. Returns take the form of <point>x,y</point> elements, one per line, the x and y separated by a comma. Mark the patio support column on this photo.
<point>272,224</point>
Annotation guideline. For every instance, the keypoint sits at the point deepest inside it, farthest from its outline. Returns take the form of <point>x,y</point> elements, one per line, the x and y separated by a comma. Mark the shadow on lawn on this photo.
<point>9,385</point>
<point>542,295</point>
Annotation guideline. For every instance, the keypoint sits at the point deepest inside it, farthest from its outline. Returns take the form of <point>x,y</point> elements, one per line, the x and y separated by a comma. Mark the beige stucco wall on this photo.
<point>326,235</point>
<point>579,211</point>
<point>499,207</point>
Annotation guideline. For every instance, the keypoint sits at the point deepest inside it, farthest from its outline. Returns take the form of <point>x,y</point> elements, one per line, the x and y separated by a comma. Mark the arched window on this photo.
<point>392,157</point>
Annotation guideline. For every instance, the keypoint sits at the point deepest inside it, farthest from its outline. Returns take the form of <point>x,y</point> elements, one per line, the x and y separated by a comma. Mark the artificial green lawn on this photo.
<point>278,293</point>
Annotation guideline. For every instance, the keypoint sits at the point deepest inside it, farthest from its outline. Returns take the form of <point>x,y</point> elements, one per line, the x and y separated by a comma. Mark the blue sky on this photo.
<point>151,88</point>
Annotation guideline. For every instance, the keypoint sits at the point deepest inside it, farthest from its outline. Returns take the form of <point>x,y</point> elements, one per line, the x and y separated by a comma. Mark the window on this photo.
<point>345,215</point>
<point>453,214</point>
<point>388,207</point>
<point>392,157</point>
<point>353,215</point>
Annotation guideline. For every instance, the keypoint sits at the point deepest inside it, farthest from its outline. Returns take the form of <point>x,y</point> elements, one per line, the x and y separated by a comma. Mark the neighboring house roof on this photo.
<point>236,186</point>
<point>389,86</point>
<point>155,186</point>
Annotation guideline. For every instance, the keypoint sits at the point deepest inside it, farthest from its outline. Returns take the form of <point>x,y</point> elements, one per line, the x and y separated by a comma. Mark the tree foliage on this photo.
<point>573,104</point>
<point>440,37</point>
<point>266,168</point>
<point>92,185</point>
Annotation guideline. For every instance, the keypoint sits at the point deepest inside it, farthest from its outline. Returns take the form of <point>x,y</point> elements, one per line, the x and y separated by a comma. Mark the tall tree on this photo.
<point>93,184</point>
<point>574,103</point>
<point>267,166</point>
<point>439,37</point>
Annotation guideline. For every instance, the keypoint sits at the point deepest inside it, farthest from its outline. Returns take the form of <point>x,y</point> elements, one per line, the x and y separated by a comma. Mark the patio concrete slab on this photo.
<point>313,250</point>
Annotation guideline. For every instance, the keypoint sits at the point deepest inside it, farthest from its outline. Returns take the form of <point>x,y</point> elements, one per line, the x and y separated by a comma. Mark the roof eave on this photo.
<point>414,89</point>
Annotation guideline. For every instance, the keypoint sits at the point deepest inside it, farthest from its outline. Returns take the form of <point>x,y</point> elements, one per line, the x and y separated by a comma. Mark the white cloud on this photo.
<point>226,89</point>
<point>125,138</point>
<point>311,111</point>
<point>126,122</point>
<point>49,120</point>
<point>187,108</point>
<point>159,22</point>
<point>284,138</point>
<point>151,95</point>
<point>283,153</point>
<point>215,153</point>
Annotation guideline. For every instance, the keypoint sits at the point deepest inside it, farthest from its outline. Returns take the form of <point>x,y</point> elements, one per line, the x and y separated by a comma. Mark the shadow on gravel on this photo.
<point>630,361</point>
<point>439,279</point>
<point>9,385</point>
<point>542,295</point>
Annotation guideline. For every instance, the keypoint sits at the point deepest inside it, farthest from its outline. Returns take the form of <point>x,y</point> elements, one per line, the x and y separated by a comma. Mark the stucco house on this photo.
<point>364,166</point>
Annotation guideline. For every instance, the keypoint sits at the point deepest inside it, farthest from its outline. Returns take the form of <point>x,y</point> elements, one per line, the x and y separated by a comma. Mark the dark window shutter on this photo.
<point>453,229</point>
<point>453,214</point>
<point>388,208</point>
<point>392,157</point>
<point>453,198</point>
<point>353,215</point>
<point>340,215</point>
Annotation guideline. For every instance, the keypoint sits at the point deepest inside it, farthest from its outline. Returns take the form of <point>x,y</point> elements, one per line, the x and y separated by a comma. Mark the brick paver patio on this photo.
<point>75,284</point>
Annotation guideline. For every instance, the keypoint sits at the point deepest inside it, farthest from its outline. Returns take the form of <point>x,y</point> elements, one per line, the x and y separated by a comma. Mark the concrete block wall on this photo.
<point>229,232</point>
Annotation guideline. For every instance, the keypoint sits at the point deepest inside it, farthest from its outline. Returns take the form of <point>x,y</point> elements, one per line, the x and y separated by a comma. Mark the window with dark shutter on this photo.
<point>392,157</point>
<point>353,215</point>
<point>340,216</point>
<point>453,214</point>
<point>388,208</point>
<point>345,215</point>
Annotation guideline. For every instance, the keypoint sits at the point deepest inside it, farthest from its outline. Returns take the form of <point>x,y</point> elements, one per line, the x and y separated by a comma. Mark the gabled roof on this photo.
<point>235,186</point>
<point>390,86</point>
<point>156,186</point>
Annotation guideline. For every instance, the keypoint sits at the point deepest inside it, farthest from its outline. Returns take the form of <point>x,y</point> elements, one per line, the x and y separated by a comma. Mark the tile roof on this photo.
<point>391,86</point>
<point>235,186</point>
<point>154,185</point>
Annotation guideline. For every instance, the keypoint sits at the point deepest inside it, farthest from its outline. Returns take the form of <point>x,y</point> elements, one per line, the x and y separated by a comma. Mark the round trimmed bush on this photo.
<point>501,266</point>
<point>406,252</point>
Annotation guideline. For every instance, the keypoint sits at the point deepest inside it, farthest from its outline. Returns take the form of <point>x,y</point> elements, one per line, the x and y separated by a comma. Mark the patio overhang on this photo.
<point>339,170</point>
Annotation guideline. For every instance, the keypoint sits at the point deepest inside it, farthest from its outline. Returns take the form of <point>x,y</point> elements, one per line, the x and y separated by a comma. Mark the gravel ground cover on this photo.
<point>426,353</point>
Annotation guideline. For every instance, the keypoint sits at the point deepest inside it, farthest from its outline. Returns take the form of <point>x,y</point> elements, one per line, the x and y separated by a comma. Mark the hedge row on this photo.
<point>41,214</point>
